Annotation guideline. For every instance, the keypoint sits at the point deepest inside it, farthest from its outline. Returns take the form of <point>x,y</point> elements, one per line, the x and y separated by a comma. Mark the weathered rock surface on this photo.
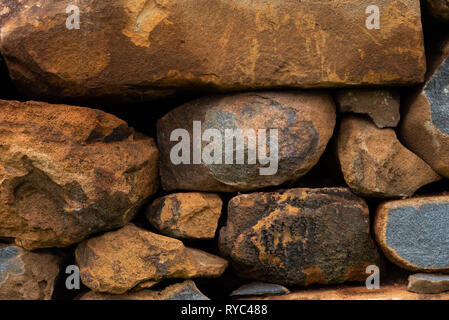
<point>118,261</point>
<point>260,289</point>
<point>437,9</point>
<point>425,125</point>
<point>414,233</point>
<point>299,236</point>
<point>190,215</point>
<point>375,164</point>
<point>26,275</point>
<point>428,283</point>
<point>304,124</point>
<point>67,172</point>
<point>386,292</point>
<point>139,49</point>
<point>186,290</point>
<point>381,105</point>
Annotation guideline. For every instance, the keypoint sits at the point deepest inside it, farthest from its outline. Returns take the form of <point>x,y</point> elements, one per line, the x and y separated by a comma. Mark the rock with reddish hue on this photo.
<point>428,283</point>
<point>425,125</point>
<point>140,49</point>
<point>304,123</point>
<point>375,164</point>
<point>67,172</point>
<point>186,290</point>
<point>299,236</point>
<point>437,9</point>
<point>27,275</point>
<point>118,261</point>
<point>186,215</point>
<point>414,233</point>
<point>260,289</point>
<point>381,105</point>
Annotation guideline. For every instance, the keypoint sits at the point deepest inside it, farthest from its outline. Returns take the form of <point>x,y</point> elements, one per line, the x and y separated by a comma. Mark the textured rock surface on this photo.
<point>67,172</point>
<point>428,283</point>
<point>375,164</point>
<point>118,261</point>
<point>386,292</point>
<point>186,290</point>
<point>139,49</point>
<point>295,236</point>
<point>260,289</point>
<point>190,215</point>
<point>437,9</point>
<point>425,125</point>
<point>26,275</point>
<point>414,233</point>
<point>304,121</point>
<point>381,105</point>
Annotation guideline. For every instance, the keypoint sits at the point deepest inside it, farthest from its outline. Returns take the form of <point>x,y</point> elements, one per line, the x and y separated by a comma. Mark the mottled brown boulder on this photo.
<point>303,123</point>
<point>437,9</point>
<point>424,128</point>
<point>27,275</point>
<point>186,290</point>
<point>67,172</point>
<point>375,164</point>
<point>140,49</point>
<point>414,233</point>
<point>190,215</point>
<point>428,283</point>
<point>299,236</point>
<point>381,105</point>
<point>118,261</point>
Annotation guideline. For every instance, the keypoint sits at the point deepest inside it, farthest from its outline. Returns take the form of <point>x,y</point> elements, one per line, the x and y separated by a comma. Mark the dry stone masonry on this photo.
<point>196,150</point>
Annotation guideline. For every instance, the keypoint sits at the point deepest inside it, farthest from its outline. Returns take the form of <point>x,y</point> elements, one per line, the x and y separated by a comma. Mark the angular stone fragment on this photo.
<point>26,275</point>
<point>304,123</point>
<point>67,172</point>
<point>118,261</point>
<point>186,290</point>
<point>414,233</point>
<point>437,9</point>
<point>140,49</point>
<point>375,164</point>
<point>381,105</point>
<point>190,215</point>
<point>299,236</point>
<point>425,125</point>
<point>428,283</point>
<point>260,289</point>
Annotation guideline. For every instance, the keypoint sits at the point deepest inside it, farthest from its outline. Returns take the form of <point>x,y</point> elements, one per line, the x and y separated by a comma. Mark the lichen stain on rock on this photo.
<point>10,263</point>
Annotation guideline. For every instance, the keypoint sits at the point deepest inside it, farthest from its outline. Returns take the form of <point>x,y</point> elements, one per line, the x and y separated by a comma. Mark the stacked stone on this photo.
<point>137,212</point>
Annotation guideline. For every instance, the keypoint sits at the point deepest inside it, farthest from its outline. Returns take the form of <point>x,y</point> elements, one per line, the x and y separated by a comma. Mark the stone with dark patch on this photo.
<point>438,10</point>
<point>118,261</point>
<point>428,283</point>
<point>186,290</point>
<point>375,164</point>
<point>260,289</point>
<point>304,120</point>
<point>414,233</point>
<point>68,172</point>
<point>299,236</point>
<point>27,275</point>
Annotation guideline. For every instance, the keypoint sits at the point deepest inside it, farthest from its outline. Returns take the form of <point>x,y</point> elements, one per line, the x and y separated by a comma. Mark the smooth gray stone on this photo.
<point>437,92</point>
<point>260,289</point>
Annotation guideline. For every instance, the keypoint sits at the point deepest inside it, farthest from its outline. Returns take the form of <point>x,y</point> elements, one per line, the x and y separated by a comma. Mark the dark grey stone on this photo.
<point>420,235</point>
<point>437,92</point>
<point>10,263</point>
<point>260,289</point>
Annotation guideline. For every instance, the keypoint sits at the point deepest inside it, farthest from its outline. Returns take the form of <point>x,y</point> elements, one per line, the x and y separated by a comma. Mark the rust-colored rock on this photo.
<point>381,105</point>
<point>425,125</point>
<point>299,236</point>
<point>304,122</point>
<point>27,275</point>
<point>414,233</point>
<point>376,164</point>
<point>190,215</point>
<point>186,290</point>
<point>67,172</point>
<point>140,49</point>
<point>118,261</point>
